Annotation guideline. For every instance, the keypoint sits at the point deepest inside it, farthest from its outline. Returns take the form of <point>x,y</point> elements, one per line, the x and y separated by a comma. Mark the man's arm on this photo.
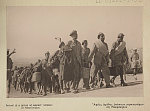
<point>126,55</point>
<point>92,52</point>
<point>112,51</point>
<point>11,53</point>
<point>106,45</point>
<point>107,56</point>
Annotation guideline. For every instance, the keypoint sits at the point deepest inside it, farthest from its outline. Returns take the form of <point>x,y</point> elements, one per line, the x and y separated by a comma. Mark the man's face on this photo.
<point>102,38</point>
<point>74,36</point>
<point>85,44</point>
<point>120,39</point>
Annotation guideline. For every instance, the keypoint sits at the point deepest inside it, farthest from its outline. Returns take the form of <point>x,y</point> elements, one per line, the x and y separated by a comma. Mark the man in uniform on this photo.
<point>118,57</point>
<point>101,54</point>
<point>75,45</point>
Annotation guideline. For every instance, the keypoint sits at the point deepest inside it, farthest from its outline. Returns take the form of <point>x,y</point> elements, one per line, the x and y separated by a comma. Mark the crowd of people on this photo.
<point>62,71</point>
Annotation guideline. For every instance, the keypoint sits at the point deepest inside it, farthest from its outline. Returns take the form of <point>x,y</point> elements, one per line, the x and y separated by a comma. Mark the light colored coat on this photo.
<point>100,52</point>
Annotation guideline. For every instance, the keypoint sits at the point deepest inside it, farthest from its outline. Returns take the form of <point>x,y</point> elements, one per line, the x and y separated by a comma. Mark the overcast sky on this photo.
<point>31,30</point>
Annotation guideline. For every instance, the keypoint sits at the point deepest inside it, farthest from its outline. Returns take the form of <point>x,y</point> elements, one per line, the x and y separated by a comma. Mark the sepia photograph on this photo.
<point>74,51</point>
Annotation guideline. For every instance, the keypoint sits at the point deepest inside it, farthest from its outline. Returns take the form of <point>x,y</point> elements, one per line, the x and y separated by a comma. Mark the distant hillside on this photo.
<point>26,62</point>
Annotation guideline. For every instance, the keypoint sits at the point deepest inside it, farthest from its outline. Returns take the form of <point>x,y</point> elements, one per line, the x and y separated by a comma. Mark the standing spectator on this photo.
<point>135,62</point>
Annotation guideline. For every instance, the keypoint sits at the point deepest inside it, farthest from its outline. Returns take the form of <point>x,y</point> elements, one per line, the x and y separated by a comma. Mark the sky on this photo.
<point>31,29</point>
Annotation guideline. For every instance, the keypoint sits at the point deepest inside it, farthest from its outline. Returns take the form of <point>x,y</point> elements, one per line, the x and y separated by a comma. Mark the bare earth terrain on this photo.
<point>134,89</point>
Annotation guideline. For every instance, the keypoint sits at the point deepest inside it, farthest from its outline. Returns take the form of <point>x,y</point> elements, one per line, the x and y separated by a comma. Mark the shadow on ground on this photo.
<point>117,85</point>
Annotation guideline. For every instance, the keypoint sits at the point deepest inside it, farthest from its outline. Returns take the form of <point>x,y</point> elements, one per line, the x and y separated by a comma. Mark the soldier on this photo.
<point>75,45</point>
<point>118,57</point>
<point>9,69</point>
<point>100,53</point>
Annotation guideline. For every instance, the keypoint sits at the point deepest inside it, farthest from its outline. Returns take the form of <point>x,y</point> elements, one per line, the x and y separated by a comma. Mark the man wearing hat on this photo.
<point>75,45</point>
<point>118,57</point>
<point>100,53</point>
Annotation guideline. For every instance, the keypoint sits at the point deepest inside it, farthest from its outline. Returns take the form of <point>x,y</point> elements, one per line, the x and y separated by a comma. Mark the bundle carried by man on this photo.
<point>117,50</point>
<point>120,48</point>
<point>103,49</point>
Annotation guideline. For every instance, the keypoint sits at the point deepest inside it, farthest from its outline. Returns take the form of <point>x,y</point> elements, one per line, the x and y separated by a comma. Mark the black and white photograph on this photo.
<point>74,51</point>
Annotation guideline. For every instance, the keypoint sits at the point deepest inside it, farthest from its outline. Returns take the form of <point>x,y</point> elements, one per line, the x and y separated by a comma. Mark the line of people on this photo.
<point>63,71</point>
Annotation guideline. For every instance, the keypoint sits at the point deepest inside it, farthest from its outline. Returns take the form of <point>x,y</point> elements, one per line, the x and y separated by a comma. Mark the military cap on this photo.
<point>74,32</point>
<point>62,43</point>
<point>121,35</point>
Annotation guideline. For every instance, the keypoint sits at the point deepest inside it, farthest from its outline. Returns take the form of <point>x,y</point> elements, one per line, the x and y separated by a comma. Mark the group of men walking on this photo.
<point>64,70</point>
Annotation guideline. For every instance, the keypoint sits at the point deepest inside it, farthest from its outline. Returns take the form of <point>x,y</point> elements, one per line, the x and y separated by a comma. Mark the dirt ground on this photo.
<point>134,89</point>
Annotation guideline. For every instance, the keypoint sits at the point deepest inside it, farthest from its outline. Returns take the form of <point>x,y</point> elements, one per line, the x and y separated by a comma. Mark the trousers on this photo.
<point>105,72</point>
